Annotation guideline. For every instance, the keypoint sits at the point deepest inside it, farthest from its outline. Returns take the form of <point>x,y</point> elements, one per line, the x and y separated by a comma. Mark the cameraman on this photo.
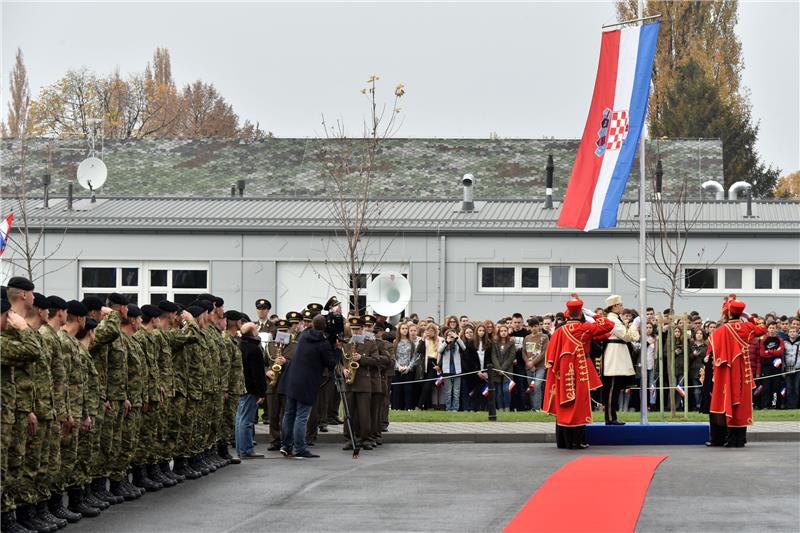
<point>301,382</point>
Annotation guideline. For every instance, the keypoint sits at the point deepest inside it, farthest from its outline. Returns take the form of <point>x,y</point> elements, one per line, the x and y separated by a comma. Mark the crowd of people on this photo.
<point>104,401</point>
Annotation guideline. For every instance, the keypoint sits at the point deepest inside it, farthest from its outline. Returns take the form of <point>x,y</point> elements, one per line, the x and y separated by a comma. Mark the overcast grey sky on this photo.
<point>518,69</point>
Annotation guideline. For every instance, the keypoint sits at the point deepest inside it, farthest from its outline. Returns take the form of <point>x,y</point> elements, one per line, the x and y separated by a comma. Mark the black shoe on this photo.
<point>223,452</point>
<point>92,500</point>
<point>615,423</point>
<point>713,444</point>
<point>26,517</point>
<point>307,455</point>
<point>165,469</point>
<point>118,491</point>
<point>274,448</point>
<point>285,452</point>
<point>182,468</point>
<point>367,446</point>
<point>251,455</point>
<point>335,421</point>
<point>44,514</point>
<point>155,473</point>
<point>99,489</point>
<point>78,505</point>
<point>57,509</point>
<point>134,491</point>
<point>323,429</point>
<point>310,443</point>
<point>9,524</point>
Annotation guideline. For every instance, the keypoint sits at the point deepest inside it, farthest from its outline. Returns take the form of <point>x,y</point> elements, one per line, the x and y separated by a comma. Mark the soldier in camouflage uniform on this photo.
<point>235,383</point>
<point>194,356</point>
<point>76,407</point>
<point>206,442</point>
<point>218,377</point>
<point>19,347</point>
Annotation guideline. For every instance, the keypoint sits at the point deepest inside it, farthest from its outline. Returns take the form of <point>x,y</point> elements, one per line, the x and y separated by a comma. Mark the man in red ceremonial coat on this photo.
<point>571,376</point>
<point>732,395</point>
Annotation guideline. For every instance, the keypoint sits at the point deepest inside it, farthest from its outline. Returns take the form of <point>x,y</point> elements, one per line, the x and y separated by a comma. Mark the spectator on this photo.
<point>406,359</point>
<point>791,358</point>
<point>450,362</point>
<point>770,351</point>
<point>428,351</point>
<point>650,361</point>
<point>697,352</point>
<point>451,322</point>
<point>503,354</point>
<point>255,383</point>
<point>471,384</point>
<point>463,321</point>
<point>535,349</point>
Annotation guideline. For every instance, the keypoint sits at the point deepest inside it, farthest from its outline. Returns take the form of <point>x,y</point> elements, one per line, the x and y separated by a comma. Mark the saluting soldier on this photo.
<point>277,353</point>
<point>19,346</point>
<point>235,383</point>
<point>365,353</point>
<point>197,356</point>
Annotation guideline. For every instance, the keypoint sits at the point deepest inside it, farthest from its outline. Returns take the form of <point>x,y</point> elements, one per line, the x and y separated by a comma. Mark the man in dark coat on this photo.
<point>301,383</point>
<point>255,383</point>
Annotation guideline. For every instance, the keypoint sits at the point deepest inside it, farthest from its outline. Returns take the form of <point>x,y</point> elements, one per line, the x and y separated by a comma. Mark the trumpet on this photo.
<point>347,351</point>
<point>276,368</point>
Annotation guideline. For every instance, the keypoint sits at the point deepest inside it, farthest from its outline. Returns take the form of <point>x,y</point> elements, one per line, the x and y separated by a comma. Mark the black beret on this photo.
<point>230,314</point>
<point>75,308</point>
<point>167,306</point>
<point>40,301</point>
<point>151,310</point>
<point>218,302</point>
<point>246,318</point>
<point>206,297</point>
<point>91,323</point>
<point>18,282</point>
<point>134,311</point>
<point>57,302</point>
<point>92,303</point>
<point>5,305</point>
<point>207,305</point>
<point>263,303</point>
<point>118,299</point>
<point>195,310</point>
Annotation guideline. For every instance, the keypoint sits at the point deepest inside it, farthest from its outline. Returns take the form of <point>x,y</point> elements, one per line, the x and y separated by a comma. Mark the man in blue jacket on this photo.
<point>300,384</point>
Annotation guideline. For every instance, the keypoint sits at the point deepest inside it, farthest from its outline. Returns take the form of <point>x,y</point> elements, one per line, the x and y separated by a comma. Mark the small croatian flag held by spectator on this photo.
<point>485,390</point>
<point>652,393</point>
<point>5,229</point>
<point>758,390</point>
<point>783,391</point>
<point>511,385</point>
<point>680,391</point>
<point>439,381</point>
<point>777,362</point>
<point>531,386</point>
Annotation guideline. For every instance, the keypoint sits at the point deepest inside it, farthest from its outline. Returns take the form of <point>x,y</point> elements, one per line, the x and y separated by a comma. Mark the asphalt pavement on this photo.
<point>462,488</point>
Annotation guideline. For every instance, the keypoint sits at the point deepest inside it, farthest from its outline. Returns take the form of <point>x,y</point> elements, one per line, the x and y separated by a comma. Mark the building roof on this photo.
<point>418,168</point>
<point>263,215</point>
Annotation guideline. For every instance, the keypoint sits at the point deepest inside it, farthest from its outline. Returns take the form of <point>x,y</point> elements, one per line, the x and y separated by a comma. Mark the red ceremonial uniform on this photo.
<point>571,376</point>
<point>732,392</point>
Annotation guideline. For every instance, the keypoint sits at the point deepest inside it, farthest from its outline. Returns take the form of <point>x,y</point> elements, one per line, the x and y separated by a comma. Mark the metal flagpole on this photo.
<point>643,392</point>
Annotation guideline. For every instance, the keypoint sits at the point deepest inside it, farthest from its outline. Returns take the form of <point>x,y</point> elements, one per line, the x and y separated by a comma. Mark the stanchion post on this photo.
<point>686,381</point>
<point>492,406</point>
<point>660,354</point>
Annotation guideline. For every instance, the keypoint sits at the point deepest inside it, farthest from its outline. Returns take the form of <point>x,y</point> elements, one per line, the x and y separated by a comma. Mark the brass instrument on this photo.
<point>276,368</point>
<point>348,350</point>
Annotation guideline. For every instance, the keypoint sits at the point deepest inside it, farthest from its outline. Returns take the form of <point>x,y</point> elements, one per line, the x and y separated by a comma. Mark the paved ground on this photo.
<point>464,488</point>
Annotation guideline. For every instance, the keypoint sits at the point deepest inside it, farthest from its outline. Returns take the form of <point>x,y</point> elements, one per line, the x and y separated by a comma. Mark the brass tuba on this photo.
<point>347,351</point>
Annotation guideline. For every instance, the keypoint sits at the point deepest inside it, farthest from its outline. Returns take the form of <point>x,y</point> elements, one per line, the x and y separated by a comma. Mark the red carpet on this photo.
<point>590,494</point>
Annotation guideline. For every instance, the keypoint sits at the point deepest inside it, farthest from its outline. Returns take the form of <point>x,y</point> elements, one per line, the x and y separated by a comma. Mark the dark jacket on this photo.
<point>255,379</point>
<point>303,376</point>
<point>469,358</point>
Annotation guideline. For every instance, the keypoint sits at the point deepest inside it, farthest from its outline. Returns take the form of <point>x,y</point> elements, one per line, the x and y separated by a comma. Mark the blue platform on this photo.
<point>653,433</point>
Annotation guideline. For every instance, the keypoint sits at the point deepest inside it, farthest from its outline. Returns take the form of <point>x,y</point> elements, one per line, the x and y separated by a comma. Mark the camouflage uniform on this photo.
<point>181,421</point>
<point>146,451</point>
<point>51,454</point>
<point>17,350</point>
<point>235,389</point>
<point>88,441</point>
<point>166,382</point>
<point>211,392</point>
<point>224,387</point>
<point>131,425</point>
<point>70,350</point>
<point>107,332</point>
<point>116,394</point>
<point>195,356</point>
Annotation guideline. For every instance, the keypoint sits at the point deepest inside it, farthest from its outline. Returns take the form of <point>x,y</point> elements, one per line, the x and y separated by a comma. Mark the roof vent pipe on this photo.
<point>468,181</point>
<point>69,196</point>
<point>715,186</point>
<point>46,183</point>
<point>233,190</point>
<point>733,192</point>
<point>659,178</point>
<point>548,184</point>
<point>749,203</point>
<point>240,186</point>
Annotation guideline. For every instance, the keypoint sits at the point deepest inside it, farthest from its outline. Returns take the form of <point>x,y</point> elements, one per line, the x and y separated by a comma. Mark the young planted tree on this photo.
<point>350,166</point>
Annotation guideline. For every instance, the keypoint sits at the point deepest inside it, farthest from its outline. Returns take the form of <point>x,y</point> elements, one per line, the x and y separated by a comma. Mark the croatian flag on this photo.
<point>777,362</point>
<point>511,385</point>
<point>5,229</point>
<point>439,381</point>
<point>783,392</point>
<point>758,390</point>
<point>485,390</point>
<point>531,386</point>
<point>680,391</point>
<point>615,121</point>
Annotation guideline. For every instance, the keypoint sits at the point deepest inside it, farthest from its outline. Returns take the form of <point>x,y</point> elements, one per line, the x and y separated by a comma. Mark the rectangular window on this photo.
<point>789,278</point>
<point>763,278</point>
<point>130,277</point>
<point>185,298</point>
<point>733,278</point>
<point>156,297</point>
<point>99,277</point>
<point>189,279</point>
<point>497,277</point>
<point>559,277</point>
<point>530,278</point>
<point>158,278</point>
<point>360,279</point>
<point>591,278</point>
<point>700,278</point>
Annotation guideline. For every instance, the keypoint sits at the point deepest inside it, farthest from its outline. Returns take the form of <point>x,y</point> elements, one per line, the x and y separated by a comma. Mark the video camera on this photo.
<point>334,326</point>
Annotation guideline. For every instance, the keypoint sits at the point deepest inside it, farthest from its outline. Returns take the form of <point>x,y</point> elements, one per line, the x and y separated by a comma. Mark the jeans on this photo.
<point>452,393</point>
<point>293,427</point>
<point>537,376</point>
<point>502,395</point>
<point>792,390</point>
<point>245,414</point>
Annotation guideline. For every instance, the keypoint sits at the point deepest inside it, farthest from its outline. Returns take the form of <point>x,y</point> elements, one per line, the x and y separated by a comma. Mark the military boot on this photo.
<point>26,517</point>
<point>121,491</point>
<point>130,487</point>
<point>56,505</point>
<point>9,524</point>
<point>76,504</point>
<point>99,486</point>
<point>44,514</point>
<point>141,480</point>
<point>164,465</point>
<point>92,500</point>
<point>155,473</point>
<point>196,464</point>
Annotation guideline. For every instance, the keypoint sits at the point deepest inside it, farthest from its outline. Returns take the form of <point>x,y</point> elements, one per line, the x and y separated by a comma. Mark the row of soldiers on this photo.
<point>94,392</point>
<point>367,391</point>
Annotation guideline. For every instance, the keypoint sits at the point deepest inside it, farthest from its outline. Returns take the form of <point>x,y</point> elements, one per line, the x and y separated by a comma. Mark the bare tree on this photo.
<point>671,224</point>
<point>350,167</point>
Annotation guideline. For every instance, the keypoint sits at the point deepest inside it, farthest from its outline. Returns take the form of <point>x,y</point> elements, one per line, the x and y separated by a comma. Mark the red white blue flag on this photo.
<point>615,121</point>
<point>485,390</point>
<point>439,381</point>
<point>5,229</point>
<point>511,385</point>
<point>777,362</point>
<point>680,391</point>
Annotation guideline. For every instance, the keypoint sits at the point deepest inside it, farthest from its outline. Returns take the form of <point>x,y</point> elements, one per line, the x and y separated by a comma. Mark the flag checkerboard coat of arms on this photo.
<point>617,129</point>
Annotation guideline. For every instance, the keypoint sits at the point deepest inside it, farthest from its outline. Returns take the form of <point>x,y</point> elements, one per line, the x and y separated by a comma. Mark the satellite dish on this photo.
<point>92,173</point>
<point>389,294</point>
